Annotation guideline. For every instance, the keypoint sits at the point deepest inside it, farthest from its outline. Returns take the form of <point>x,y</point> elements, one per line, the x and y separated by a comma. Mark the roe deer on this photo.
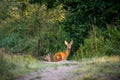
<point>60,55</point>
<point>48,58</point>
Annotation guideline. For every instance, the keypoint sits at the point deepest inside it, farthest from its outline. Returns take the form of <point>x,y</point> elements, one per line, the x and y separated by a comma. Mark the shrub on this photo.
<point>100,43</point>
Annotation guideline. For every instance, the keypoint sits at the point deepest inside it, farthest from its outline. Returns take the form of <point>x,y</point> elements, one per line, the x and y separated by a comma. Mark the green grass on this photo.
<point>97,68</point>
<point>12,66</point>
<point>103,68</point>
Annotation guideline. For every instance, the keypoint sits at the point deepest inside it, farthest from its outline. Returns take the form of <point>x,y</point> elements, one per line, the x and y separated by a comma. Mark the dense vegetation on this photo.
<point>38,27</point>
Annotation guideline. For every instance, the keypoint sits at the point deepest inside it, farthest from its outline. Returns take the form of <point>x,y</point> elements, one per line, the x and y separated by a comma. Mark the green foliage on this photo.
<point>34,30</point>
<point>83,14</point>
<point>41,26</point>
<point>113,41</point>
<point>100,43</point>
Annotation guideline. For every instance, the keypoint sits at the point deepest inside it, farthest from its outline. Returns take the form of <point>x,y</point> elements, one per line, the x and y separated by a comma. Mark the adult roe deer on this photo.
<point>60,55</point>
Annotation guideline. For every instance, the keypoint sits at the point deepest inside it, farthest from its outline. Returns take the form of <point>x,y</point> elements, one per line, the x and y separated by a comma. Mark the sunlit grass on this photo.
<point>17,65</point>
<point>98,68</point>
<point>106,59</point>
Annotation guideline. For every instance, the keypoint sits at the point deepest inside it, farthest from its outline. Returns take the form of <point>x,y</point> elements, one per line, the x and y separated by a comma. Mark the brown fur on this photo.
<point>60,55</point>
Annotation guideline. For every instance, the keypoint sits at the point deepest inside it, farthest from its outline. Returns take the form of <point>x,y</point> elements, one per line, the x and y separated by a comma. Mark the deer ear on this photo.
<point>48,54</point>
<point>71,42</point>
<point>66,43</point>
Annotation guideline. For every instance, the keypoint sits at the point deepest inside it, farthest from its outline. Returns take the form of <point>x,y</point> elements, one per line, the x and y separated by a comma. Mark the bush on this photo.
<point>100,43</point>
<point>113,41</point>
<point>36,30</point>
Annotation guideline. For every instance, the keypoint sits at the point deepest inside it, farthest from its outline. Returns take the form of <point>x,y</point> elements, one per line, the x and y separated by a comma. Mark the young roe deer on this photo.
<point>60,55</point>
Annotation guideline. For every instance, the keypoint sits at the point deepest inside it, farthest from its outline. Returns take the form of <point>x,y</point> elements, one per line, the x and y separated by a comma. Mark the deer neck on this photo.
<point>67,52</point>
<point>49,60</point>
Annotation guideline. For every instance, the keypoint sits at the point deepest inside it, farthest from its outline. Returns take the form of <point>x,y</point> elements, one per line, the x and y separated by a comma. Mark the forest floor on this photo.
<point>97,69</point>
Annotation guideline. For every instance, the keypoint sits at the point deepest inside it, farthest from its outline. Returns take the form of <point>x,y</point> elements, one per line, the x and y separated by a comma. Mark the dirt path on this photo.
<point>59,71</point>
<point>71,70</point>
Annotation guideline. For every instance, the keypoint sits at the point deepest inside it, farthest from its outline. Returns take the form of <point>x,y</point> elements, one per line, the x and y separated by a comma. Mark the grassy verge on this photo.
<point>102,68</point>
<point>97,68</point>
<point>12,66</point>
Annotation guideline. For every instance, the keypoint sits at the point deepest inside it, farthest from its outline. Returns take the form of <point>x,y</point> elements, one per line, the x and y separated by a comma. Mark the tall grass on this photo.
<point>12,66</point>
<point>98,68</point>
<point>100,43</point>
<point>5,67</point>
